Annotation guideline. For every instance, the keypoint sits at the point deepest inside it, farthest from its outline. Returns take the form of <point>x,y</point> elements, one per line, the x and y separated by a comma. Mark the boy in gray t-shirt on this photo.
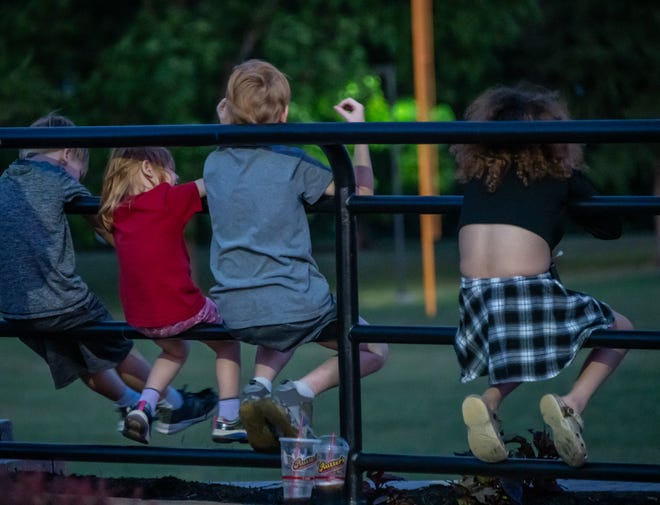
<point>268,287</point>
<point>40,292</point>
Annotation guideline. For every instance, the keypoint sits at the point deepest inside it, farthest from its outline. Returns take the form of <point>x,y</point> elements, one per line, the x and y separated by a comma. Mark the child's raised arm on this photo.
<point>353,112</point>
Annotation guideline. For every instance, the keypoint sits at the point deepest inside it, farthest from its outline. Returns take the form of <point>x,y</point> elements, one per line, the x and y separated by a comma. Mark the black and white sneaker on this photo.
<point>197,407</point>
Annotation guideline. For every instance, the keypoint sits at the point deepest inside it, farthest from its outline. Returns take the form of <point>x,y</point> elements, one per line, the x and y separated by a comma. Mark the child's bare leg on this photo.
<point>134,370</point>
<point>269,362</point>
<point>106,383</point>
<point>326,376</point>
<point>496,393</point>
<point>167,364</point>
<point>598,366</point>
<point>562,414</point>
<point>227,366</point>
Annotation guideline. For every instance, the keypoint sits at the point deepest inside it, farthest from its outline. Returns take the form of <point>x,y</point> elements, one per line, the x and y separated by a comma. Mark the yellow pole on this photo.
<point>422,29</point>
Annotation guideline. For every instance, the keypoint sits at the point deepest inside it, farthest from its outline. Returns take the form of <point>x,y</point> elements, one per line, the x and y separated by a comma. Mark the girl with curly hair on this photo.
<point>518,323</point>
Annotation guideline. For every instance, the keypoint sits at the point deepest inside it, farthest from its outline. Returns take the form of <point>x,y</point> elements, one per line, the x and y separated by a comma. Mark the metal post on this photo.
<point>350,409</point>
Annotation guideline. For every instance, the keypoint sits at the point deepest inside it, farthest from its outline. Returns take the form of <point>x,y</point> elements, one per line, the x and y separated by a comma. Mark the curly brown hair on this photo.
<point>490,162</point>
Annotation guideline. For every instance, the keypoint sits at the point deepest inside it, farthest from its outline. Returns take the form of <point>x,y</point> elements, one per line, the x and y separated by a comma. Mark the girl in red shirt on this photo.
<point>147,213</point>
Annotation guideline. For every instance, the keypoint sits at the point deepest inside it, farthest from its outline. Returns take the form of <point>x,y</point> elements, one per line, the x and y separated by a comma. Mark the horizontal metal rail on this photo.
<point>132,454</point>
<point>452,465</point>
<point>378,204</point>
<point>121,328</point>
<point>431,335</point>
<point>444,335</point>
<point>512,467</point>
<point>438,204</point>
<point>449,132</point>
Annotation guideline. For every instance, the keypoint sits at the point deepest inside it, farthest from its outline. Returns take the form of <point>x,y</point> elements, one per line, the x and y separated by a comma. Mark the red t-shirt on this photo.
<point>155,284</point>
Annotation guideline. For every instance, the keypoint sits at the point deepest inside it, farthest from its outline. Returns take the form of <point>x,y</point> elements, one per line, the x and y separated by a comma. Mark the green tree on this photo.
<point>148,62</point>
<point>605,59</point>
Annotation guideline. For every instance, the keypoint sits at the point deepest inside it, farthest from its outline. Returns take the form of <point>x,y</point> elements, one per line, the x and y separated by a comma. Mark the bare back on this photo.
<point>501,250</point>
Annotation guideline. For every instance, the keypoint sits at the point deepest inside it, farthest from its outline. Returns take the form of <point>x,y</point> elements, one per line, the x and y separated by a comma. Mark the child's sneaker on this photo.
<point>137,424</point>
<point>226,432</point>
<point>288,413</point>
<point>259,434</point>
<point>196,408</point>
<point>123,412</point>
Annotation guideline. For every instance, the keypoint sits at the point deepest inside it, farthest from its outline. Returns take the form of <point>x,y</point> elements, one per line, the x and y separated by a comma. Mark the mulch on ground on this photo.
<point>30,488</point>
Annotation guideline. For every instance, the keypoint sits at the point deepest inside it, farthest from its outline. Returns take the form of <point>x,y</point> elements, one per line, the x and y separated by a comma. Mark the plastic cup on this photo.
<point>299,462</point>
<point>331,470</point>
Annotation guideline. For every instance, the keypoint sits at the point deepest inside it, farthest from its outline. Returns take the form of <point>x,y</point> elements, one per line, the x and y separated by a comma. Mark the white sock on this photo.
<point>228,408</point>
<point>151,396</point>
<point>264,382</point>
<point>304,389</point>
<point>128,399</point>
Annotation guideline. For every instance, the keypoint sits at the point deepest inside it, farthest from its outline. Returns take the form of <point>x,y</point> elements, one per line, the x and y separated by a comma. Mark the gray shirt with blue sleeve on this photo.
<point>261,252</point>
<point>37,262</point>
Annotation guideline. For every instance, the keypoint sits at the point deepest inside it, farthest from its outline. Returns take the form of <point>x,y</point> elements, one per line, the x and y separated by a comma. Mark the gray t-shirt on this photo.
<point>37,262</point>
<point>261,251</point>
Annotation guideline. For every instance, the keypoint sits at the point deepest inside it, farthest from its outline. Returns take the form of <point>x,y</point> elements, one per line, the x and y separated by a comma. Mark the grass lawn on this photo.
<point>413,405</point>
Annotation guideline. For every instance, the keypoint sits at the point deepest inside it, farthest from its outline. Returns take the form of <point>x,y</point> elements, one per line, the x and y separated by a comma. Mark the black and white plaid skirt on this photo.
<point>519,329</point>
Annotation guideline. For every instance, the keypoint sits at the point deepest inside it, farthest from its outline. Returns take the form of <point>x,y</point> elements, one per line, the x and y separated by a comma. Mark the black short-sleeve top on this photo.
<point>542,207</point>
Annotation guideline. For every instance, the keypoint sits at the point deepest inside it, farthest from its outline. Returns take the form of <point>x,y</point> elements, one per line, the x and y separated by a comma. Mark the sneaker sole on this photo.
<point>172,428</point>
<point>484,440</point>
<point>259,434</point>
<point>134,429</point>
<point>565,432</point>
<point>278,418</point>
<point>230,437</point>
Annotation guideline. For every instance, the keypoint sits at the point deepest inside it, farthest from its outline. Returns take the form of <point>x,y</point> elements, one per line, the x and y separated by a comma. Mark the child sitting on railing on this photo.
<point>147,212</point>
<point>518,322</point>
<point>268,286</point>
<point>40,292</point>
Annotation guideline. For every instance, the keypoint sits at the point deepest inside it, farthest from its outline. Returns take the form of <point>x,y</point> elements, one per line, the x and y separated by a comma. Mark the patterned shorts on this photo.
<point>208,314</point>
<point>521,329</point>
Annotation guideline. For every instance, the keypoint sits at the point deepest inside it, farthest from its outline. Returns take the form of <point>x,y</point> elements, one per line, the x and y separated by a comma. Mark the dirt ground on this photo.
<point>44,489</point>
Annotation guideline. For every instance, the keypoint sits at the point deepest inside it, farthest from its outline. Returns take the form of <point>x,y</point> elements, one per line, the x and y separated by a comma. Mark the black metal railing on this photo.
<point>332,137</point>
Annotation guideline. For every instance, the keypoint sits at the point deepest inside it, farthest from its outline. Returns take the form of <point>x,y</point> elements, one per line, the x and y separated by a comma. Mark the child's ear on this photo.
<point>220,109</point>
<point>284,115</point>
<point>147,170</point>
<point>65,155</point>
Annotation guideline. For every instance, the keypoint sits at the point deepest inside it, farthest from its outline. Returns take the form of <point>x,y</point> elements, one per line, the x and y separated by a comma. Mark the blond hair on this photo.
<point>54,120</point>
<point>121,178</point>
<point>257,93</point>
<point>490,162</point>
